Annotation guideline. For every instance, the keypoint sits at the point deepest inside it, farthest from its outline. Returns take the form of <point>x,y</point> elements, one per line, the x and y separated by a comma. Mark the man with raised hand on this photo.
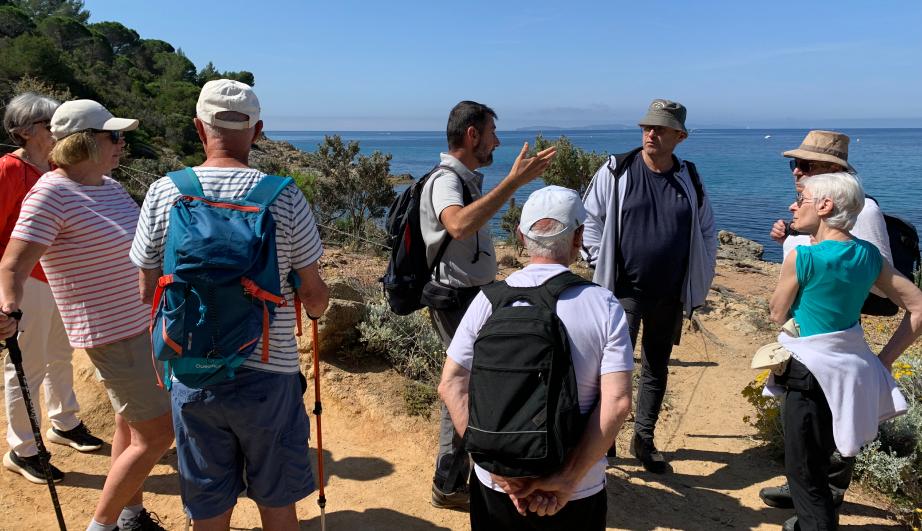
<point>249,433</point>
<point>650,237</point>
<point>454,205</point>
<point>573,496</point>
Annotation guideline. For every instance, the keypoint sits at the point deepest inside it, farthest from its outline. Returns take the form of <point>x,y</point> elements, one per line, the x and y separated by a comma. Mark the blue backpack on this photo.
<point>220,283</point>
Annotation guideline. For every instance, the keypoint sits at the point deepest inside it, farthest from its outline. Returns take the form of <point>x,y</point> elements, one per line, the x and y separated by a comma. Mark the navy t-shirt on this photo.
<point>655,230</point>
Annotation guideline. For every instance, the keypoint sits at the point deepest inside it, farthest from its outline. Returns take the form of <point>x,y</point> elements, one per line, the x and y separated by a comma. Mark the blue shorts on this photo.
<point>246,434</point>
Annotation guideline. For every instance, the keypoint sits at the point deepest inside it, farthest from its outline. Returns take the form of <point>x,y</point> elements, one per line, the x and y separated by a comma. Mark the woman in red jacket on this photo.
<point>46,350</point>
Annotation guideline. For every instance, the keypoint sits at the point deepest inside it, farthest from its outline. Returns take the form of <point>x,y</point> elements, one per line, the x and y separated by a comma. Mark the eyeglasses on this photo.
<point>803,165</point>
<point>800,200</point>
<point>114,136</point>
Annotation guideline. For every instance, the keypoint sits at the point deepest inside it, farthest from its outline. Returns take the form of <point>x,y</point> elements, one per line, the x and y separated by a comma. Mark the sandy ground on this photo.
<point>378,462</point>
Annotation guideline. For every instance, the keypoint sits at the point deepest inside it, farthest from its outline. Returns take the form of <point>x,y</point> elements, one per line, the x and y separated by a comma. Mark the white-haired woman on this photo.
<point>81,222</point>
<point>47,353</point>
<point>835,390</point>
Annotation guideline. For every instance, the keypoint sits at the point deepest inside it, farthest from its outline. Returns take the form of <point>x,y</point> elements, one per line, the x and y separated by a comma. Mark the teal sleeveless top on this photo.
<point>834,279</point>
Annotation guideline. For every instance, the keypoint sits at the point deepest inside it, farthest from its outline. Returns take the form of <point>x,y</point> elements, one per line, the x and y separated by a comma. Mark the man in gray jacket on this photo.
<point>650,237</point>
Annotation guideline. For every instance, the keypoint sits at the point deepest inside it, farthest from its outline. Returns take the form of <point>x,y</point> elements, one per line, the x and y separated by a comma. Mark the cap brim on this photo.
<point>661,121</point>
<point>803,154</point>
<point>120,124</point>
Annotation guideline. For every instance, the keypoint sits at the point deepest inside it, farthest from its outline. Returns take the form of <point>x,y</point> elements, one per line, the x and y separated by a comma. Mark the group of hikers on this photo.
<point>537,379</point>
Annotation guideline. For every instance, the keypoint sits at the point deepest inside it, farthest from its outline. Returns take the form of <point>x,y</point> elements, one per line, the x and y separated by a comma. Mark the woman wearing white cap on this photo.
<point>48,353</point>
<point>80,223</point>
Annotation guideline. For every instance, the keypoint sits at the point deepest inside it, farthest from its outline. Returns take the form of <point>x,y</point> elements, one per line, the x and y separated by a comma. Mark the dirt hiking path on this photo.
<point>379,461</point>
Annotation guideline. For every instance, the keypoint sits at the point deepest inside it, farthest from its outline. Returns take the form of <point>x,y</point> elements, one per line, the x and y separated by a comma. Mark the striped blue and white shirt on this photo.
<point>297,241</point>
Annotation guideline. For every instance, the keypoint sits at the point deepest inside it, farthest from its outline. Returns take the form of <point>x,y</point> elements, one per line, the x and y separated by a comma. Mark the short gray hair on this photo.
<point>555,247</point>
<point>23,111</point>
<point>846,193</point>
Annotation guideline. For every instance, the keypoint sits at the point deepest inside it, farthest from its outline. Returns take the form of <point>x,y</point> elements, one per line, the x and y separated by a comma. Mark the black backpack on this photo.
<point>904,247</point>
<point>408,271</point>
<point>523,405</point>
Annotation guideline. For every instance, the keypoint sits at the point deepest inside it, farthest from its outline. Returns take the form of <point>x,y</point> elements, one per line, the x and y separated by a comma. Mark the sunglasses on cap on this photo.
<point>114,136</point>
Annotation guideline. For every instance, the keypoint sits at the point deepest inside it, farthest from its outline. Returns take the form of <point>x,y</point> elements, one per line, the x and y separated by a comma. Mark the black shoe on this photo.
<point>611,456</point>
<point>780,497</point>
<point>144,521</point>
<point>790,524</point>
<point>30,468</point>
<point>459,500</point>
<point>649,456</point>
<point>78,438</point>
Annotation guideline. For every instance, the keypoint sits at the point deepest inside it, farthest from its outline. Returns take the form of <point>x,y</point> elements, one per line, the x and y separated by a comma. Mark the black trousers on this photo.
<point>808,446</point>
<point>662,327</point>
<point>494,511</point>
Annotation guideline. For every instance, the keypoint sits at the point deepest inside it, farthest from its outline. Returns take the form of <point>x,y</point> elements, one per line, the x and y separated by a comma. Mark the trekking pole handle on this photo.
<point>11,343</point>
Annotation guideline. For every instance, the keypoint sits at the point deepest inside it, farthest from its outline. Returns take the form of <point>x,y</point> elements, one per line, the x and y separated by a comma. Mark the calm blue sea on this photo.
<point>743,171</point>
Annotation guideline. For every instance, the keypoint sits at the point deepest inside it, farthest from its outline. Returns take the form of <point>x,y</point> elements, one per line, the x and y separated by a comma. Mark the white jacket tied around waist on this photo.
<point>599,238</point>
<point>860,391</point>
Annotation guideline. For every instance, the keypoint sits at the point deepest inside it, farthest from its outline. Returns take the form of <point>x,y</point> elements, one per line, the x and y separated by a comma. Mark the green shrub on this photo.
<point>408,342</point>
<point>767,419</point>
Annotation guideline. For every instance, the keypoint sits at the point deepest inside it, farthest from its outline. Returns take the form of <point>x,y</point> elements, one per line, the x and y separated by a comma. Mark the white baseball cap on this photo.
<point>553,202</point>
<point>222,95</point>
<point>80,115</point>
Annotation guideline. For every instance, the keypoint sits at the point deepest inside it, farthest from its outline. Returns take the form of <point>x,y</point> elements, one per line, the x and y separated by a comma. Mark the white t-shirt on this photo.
<point>88,231</point>
<point>599,344</point>
<point>297,242</point>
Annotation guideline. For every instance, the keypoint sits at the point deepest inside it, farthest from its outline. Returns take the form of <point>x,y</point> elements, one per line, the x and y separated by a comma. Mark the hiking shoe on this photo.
<point>78,438</point>
<point>780,497</point>
<point>649,456</point>
<point>30,468</point>
<point>460,500</point>
<point>144,521</point>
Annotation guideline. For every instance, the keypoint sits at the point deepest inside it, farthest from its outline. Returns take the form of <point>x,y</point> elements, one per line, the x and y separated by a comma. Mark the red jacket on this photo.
<point>16,179</point>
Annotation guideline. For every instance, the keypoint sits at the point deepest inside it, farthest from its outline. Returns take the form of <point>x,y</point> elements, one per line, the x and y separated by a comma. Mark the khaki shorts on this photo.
<point>126,369</point>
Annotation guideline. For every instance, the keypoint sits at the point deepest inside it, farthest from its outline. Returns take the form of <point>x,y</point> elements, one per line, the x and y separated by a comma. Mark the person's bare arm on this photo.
<point>903,292</point>
<point>786,291</point>
<point>18,261</point>
<point>462,222</point>
<point>603,425</point>
<point>313,291</point>
<point>453,390</point>
<point>147,283</point>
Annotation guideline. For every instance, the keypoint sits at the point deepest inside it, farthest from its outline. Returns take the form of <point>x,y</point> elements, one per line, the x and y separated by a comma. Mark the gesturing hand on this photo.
<point>525,168</point>
<point>778,232</point>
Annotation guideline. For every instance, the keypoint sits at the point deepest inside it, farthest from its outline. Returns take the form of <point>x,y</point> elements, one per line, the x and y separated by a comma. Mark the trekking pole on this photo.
<point>12,344</point>
<point>318,410</point>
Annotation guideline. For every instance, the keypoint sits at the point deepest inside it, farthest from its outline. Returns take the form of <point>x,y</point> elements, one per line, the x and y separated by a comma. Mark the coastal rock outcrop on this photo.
<point>733,247</point>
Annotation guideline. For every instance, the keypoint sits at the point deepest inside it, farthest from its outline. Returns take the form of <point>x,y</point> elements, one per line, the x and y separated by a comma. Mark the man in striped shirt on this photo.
<point>250,432</point>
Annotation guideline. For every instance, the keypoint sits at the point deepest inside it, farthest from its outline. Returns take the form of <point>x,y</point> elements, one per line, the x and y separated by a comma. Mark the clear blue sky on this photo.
<point>396,65</point>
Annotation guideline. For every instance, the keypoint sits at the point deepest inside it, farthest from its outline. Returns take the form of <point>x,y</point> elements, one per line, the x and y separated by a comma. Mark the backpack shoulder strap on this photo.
<point>466,198</point>
<point>497,293</point>
<point>187,182</point>
<point>559,283</point>
<point>268,189</point>
<point>622,161</point>
<point>696,181</point>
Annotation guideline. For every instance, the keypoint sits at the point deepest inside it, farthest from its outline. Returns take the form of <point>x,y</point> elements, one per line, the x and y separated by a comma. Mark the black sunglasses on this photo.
<point>114,136</point>
<point>803,165</point>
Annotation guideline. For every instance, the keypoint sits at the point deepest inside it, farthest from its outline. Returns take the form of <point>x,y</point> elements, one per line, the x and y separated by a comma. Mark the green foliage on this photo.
<point>419,398</point>
<point>893,463</point>
<point>350,187</point>
<point>767,419</point>
<point>573,167</point>
<point>509,222</point>
<point>147,79</point>
<point>409,342</point>
<point>14,21</point>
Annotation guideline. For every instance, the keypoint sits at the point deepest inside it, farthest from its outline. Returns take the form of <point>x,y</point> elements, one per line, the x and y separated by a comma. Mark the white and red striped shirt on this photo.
<point>88,231</point>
